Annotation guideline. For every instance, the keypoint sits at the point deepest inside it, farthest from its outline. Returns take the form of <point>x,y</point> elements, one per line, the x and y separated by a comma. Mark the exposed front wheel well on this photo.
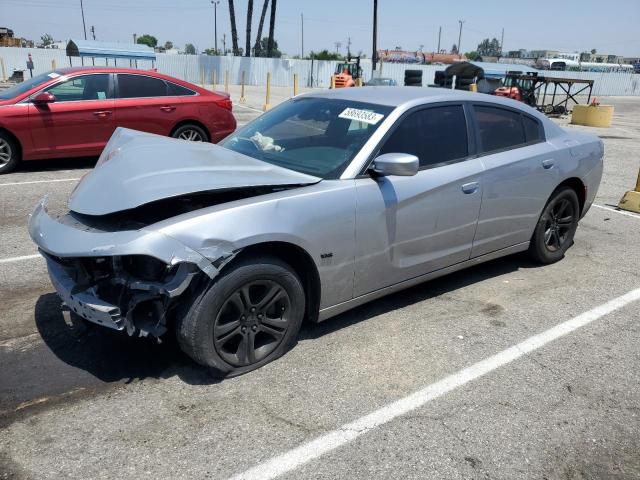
<point>300,261</point>
<point>191,122</point>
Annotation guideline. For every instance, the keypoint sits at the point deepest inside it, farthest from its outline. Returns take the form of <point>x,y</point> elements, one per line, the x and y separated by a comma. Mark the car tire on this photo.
<point>228,329</point>
<point>556,227</point>
<point>9,153</point>
<point>190,132</point>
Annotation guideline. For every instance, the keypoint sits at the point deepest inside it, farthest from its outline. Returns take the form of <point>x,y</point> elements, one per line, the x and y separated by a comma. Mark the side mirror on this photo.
<point>401,164</point>
<point>43,98</point>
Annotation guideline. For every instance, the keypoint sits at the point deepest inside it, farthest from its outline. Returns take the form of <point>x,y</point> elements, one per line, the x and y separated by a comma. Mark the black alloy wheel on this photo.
<point>252,322</point>
<point>248,316</point>
<point>556,227</point>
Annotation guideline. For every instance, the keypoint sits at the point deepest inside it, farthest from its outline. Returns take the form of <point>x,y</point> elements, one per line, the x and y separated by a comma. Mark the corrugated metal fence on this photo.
<point>196,68</point>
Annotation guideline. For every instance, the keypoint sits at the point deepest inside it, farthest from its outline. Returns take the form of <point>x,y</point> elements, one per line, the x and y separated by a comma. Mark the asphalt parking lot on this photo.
<point>436,366</point>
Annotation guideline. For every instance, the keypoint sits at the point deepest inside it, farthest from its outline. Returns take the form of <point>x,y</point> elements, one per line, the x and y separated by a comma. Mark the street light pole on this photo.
<point>215,24</point>
<point>302,35</point>
<point>461,22</point>
<point>374,57</point>
<point>84,27</point>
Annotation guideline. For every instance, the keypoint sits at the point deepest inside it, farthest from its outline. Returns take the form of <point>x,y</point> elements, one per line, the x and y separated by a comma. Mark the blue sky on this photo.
<point>571,25</point>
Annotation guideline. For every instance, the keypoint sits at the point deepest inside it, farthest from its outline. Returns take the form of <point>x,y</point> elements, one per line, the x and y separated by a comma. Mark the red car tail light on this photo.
<point>225,103</point>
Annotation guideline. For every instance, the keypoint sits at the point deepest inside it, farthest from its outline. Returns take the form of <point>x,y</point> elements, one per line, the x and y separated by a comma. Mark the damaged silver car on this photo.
<point>328,201</point>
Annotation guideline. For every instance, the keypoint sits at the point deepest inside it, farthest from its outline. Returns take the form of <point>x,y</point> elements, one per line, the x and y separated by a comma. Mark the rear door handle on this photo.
<point>548,163</point>
<point>470,187</point>
<point>102,113</point>
<point>168,108</point>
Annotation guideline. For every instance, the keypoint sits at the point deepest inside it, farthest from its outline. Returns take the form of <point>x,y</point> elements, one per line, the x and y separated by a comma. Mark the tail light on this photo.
<point>225,103</point>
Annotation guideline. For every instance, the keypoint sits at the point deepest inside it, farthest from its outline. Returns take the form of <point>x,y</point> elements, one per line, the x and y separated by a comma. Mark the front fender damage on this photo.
<point>130,280</point>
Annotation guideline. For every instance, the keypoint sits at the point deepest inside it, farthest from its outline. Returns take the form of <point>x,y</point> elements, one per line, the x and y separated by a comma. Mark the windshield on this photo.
<point>316,136</point>
<point>27,85</point>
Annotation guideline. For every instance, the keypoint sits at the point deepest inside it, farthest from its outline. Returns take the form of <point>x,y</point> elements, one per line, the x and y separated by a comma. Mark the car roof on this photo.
<point>398,96</point>
<point>408,96</point>
<point>152,73</point>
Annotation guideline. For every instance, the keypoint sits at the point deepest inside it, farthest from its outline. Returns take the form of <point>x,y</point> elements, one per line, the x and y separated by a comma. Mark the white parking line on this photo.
<point>336,438</point>
<point>621,212</point>
<point>19,259</point>
<point>248,108</point>
<point>41,181</point>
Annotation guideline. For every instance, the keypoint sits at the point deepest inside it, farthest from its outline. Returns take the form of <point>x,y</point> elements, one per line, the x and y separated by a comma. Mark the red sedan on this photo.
<point>72,112</point>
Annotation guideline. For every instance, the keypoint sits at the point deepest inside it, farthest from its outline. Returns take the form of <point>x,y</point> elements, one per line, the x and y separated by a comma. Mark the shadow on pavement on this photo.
<point>109,355</point>
<point>418,293</point>
<point>57,164</point>
<point>113,356</point>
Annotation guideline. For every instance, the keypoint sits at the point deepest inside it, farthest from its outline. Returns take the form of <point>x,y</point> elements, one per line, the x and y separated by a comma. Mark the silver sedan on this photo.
<point>326,202</point>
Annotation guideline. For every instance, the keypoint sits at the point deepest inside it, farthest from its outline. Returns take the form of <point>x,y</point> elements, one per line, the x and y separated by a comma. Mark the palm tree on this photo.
<point>260,25</point>
<point>247,52</point>
<point>234,32</point>
<point>272,27</point>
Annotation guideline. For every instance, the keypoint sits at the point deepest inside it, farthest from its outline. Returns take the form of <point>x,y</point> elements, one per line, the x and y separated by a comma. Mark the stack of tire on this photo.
<point>413,78</point>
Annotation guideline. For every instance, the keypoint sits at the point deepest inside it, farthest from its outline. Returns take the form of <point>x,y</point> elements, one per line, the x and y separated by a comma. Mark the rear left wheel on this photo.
<point>190,132</point>
<point>556,227</point>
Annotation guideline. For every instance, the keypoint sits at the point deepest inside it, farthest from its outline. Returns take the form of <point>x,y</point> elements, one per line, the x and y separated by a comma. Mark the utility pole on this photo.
<point>374,56</point>
<point>134,38</point>
<point>302,35</point>
<point>501,41</point>
<point>338,45</point>
<point>93,32</point>
<point>224,44</point>
<point>215,24</point>
<point>461,22</point>
<point>439,37</point>
<point>84,27</point>
<point>348,47</point>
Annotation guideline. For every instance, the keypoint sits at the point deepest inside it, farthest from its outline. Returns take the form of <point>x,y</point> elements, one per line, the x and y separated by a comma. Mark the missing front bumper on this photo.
<point>84,303</point>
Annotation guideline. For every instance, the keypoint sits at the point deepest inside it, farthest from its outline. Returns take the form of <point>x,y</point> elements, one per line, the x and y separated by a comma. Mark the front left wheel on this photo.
<point>9,153</point>
<point>250,316</point>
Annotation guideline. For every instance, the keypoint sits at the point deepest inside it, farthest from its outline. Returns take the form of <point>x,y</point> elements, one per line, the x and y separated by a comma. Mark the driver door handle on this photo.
<point>470,187</point>
<point>102,113</point>
<point>168,108</point>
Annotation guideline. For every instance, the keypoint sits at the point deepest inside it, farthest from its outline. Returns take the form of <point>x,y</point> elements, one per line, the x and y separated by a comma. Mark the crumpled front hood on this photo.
<point>137,168</point>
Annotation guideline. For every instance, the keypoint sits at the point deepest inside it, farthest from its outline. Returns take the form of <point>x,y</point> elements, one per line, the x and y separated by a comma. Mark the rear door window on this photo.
<point>179,90</point>
<point>140,86</point>
<point>436,135</point>
<point>499,128</point>
<point>532,129</point>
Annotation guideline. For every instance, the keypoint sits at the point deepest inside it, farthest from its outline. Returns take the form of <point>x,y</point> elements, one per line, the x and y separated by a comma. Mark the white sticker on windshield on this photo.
<point>365,116</point>
<point>53,75</point>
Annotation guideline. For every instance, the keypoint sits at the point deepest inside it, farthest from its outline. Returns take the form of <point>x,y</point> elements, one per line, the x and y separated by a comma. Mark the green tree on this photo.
<point>262,49</point>
<point>213,52</point>
<point>46,39</point>
<point>472,55</point>
<point>168,45</point>
<point>325,55</point>
<point>148,40</point>
<point>454,49</point>
<point>489,48</point>
<point>593,51</point>
<point>190,49</point>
